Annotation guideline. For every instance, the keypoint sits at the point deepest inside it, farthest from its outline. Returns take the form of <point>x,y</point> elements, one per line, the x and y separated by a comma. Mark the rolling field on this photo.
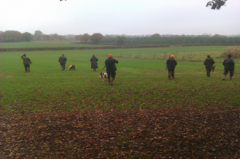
<point>50,113</point>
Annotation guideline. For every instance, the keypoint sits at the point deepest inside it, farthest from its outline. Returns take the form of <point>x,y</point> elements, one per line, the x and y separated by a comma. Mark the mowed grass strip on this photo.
<point>140,82</point>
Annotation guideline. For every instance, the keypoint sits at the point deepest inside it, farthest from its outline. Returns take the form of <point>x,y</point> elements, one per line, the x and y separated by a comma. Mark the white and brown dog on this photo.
<point>71,67</point>
<point>103,76</point>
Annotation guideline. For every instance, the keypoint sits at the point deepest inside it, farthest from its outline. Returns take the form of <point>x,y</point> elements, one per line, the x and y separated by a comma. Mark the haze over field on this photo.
<point>134,17</point>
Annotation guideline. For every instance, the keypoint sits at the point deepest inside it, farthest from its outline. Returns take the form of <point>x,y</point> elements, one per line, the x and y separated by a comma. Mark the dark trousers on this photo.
<point>226,72</point>
<point>27,67</point>
<point>112,74</point>
<point>63,66</point>
<point>208,70</point>
<point>170,73</point>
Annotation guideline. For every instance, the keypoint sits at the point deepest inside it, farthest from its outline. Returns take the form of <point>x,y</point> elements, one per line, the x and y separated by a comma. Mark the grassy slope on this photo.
<point>140,82</point>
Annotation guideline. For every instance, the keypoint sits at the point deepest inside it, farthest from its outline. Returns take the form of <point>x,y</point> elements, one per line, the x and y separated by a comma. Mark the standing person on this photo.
<point>26,62</point>
<point>171,63</point>
<point>111,68</point>
<point>208,65</point>
<point>94,64</point>
<point>62,61</point>
<point>228,64</point>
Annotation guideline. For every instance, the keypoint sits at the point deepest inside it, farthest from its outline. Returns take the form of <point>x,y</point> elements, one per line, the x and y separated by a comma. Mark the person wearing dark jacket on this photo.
<point>208,65</point>
<point>26,62</point>
<point>94,64</point>
<point>228,64</point>
<point>111,68</point>
<point>171,63</point>
<point>62,61</point>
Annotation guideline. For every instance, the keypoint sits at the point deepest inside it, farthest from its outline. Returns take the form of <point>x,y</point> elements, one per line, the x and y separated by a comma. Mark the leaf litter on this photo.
<point>153,133</point>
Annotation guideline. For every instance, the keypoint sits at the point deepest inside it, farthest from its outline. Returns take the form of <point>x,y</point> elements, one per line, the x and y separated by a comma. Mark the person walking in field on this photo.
<point>208,65</point>
<point>111,68</point>
<point>62,61</point>
<point>26,62</point>
<point>228,64</point>
<point>94,64</point>
<point>171,64</point>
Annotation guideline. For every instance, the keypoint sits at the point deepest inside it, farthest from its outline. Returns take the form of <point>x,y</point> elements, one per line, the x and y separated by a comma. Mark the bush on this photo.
<point>234,51</point>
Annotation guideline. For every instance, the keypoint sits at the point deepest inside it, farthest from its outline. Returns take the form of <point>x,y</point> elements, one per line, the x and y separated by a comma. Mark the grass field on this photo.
<point>50,113</point>
<point>38,44</point>
<point>140,82</point>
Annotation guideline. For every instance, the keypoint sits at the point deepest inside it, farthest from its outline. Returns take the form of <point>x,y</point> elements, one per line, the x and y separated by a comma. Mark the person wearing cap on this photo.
<point>94,64</point>
<point>62,61</point>
<point>208,65</point>
<point>171,63</point>
<point>228,64</point>
<point>26,62</point>
<point>111,68</point>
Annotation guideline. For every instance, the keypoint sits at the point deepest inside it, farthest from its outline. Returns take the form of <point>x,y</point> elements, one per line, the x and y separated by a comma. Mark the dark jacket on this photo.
<point>110,64</point>
<point>26,60</point>
<point>94,62</point>
<point>228,64</point>
<point>62,59</point>
<point>171,63</point>
<point>209,63</point>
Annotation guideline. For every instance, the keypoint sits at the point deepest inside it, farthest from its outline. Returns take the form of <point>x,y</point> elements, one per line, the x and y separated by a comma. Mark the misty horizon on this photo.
<point>120,17</point>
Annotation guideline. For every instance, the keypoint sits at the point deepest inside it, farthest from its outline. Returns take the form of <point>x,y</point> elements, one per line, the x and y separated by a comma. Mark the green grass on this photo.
<point>38,44</point>
<point>140,82</point>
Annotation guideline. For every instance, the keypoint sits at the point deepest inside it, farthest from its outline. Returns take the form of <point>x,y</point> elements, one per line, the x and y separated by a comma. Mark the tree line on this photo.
<point>98,38</point>
<point>172,40</point>
<point>15,36</point>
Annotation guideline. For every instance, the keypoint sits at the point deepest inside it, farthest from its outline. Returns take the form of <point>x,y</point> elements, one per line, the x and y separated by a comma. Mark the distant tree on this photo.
<point>60,37</point>
<point>54,36</point>
<point>121,40</point>
<point>85,37</point>
<point>46,37</point>
<point>27,37</point>
<point>1,36</point>
<point>78,37</point>
<point>11,36</point>
<point>38,35</point>
<point>156,35</point>
<point>97,38</point>
<point>218,35</point>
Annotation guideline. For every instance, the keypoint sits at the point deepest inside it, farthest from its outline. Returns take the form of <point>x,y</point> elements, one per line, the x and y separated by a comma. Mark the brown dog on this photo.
<point>213,67</point>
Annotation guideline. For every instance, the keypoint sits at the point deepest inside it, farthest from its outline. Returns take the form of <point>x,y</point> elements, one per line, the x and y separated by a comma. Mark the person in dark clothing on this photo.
<point>94,64</point>
<point>26,62</point>
<point>62,61</point>
<point>208,65</point>
<point>228,64</point>
<point>111,68</point>
<point>171,63</point>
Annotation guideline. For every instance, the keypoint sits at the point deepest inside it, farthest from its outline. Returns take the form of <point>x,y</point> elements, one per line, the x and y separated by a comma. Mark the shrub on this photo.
<point>234,51</point>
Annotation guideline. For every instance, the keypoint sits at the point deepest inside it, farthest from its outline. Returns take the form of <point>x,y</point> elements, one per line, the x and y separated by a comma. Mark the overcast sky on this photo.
<point>131,17</point>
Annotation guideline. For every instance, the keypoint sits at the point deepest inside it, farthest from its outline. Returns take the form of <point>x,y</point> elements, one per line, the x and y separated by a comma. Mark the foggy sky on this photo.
<point>131,17</point>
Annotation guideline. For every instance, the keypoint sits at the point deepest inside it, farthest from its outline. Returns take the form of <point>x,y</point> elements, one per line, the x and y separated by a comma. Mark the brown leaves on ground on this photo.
<point>155,133</point>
